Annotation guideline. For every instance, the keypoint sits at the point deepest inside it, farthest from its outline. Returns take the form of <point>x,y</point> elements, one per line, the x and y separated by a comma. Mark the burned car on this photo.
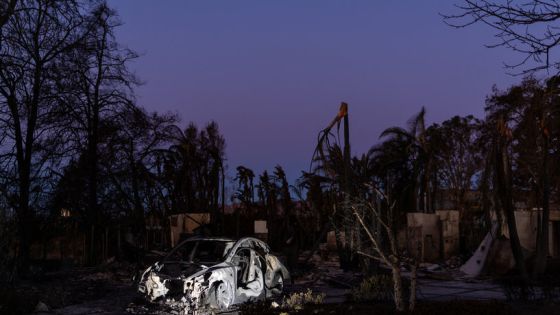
<point>214,273</point>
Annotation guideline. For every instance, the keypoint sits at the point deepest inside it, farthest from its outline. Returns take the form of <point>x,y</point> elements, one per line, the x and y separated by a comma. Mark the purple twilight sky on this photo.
<point>273,73</point>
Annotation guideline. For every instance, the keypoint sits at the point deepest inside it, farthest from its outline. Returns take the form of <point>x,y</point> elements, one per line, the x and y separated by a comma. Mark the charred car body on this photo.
<point>214,273</point>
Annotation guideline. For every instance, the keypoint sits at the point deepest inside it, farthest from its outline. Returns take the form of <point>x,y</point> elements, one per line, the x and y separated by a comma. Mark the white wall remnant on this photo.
<point>260,227</point>
<point>474,266</point>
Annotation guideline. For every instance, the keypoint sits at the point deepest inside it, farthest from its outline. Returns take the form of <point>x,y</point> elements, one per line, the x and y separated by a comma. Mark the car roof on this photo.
<point>209,238</point>
<point>251,241</point>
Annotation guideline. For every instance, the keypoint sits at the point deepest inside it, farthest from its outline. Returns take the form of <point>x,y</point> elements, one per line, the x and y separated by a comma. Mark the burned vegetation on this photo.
<point>108,208</point>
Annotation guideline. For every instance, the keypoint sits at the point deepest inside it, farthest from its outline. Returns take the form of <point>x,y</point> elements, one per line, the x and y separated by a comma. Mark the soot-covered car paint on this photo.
<point>214,273</point>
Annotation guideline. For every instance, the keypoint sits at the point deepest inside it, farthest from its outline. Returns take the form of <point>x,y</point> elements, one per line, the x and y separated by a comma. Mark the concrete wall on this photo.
<point>261,230</point>
<point>185,223</point>
<point>424,229</point>
<point>331,240</point>
<point>527,228</point>
<point>526,221</point>
<point>449,232</point>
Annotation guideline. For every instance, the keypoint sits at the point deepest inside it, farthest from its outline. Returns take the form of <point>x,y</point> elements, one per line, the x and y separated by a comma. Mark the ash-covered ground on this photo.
<point>109,290</point>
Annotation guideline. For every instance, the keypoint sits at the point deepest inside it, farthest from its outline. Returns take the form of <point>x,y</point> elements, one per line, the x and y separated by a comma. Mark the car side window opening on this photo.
<point>182,252</point>
<point>211,251</point>
<point>250,271</point>
<point>242,258</point>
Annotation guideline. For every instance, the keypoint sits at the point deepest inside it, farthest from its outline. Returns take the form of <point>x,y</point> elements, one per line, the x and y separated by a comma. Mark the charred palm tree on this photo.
<point>327,158</point>
<point>244,193</point>
<point>504,188</point>
<point>527,112</point>
<point>193,169</point>
<point>417,156</point>
<point>284,190</point>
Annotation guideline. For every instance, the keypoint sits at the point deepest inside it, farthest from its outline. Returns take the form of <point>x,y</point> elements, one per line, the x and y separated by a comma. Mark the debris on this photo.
<point>98,276</point>
<point>453,262</point>
<point>42,308</point>
<point>110,260</point>
<point>340,281</point>
<point>433,267</point>
<point>474,266</point>
<point>274,304</point>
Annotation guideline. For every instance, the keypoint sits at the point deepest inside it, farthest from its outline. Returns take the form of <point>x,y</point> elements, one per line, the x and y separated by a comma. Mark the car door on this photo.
<point>250,283</point>
<point>270,267</point>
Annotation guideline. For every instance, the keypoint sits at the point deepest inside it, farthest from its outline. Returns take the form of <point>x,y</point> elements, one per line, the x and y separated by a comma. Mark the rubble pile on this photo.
<point>453,262</point>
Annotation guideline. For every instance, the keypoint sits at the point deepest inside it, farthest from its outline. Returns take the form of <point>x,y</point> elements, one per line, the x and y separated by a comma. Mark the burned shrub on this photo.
<point>377,288</point>
<point>296,301</point>
<point>550,287</point>
<point>542,289</point>
<point>516,288</point>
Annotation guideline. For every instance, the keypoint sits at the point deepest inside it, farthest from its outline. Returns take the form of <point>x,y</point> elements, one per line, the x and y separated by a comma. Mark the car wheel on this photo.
<point>277,284</point>
<point>222,296</point>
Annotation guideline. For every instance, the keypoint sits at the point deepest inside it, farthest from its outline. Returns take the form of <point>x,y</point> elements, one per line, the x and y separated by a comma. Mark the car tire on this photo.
<point>278,284</point>
<point>221,296</point>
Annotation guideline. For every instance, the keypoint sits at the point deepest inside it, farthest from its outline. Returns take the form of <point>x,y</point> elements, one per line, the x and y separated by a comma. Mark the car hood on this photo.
<point>174,279</point>
<point>176,269</point>
<point>181,269</point>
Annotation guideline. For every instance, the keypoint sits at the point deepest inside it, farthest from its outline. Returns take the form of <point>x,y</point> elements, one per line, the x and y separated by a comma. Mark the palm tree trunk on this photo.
<point>542,236</point>
<point>223,180</point>
<point>504,187</point>
<point>349,231</point>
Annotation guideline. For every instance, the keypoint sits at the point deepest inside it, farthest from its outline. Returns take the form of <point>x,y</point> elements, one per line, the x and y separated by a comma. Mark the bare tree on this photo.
<point>33,40</point>
<point>7,9</point>
<point>527,27</point>
<point>384,213</point>
<point>129,162</point>
<point>457,156</point>
<point>97,90</point>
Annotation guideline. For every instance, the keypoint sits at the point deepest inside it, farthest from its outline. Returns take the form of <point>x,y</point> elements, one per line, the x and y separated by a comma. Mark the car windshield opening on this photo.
<point>200,251</point>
